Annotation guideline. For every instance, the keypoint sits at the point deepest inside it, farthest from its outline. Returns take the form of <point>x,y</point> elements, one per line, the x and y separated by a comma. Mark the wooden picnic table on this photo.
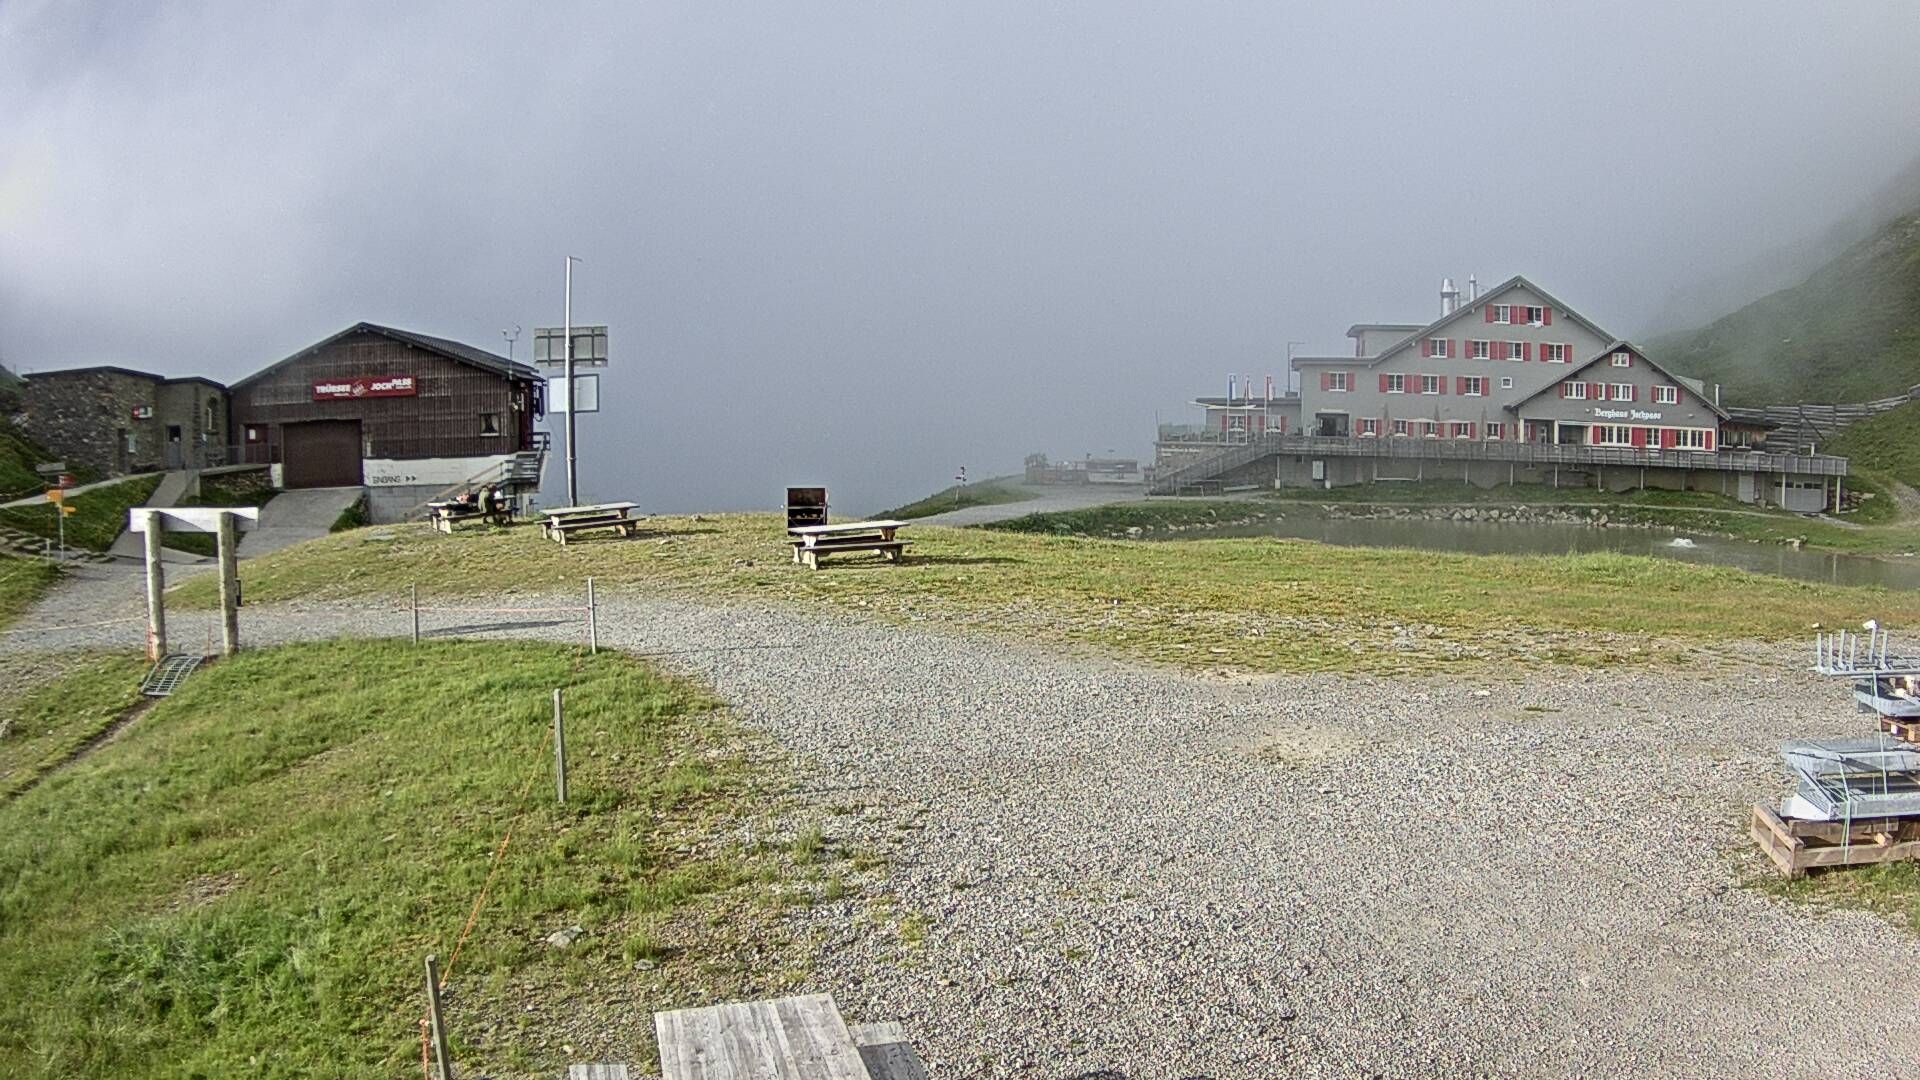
<point>557,522</point>
<point>812,541</point>
<point>443,515</point>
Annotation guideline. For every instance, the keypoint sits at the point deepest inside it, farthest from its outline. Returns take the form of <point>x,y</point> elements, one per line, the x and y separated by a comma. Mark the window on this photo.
<point>1429,384</point>
<point>1506,382</point>
<point>210,424</point>
<point>1690,439</point>
<point>1536,316</point>
<point>1399,427</point>
<point>1337,381</point>
<point>1496,431</point>
<point>1516,350</point>
<point>1623,359</point>
<point>1612,435</point>
<point>489,423</point>
<point>1622,391</point>
<point>1430,429</point>
<point>1396,384</point>
<point>1473,386</point>
<point>1480,350</point>
<point>1503,313</point>
<point>1369,427</point>
<point>1462,431</point>
<point>1554,352</point>
<point>1573,391</point>
<point>1666,395</point>
<point>1438,346</point>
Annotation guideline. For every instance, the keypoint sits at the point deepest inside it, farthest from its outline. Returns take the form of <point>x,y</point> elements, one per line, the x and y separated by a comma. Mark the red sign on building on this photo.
<point>377,386</point>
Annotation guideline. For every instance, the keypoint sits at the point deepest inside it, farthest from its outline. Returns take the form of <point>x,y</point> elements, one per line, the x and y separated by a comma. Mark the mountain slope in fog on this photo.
<point>1849,332</point>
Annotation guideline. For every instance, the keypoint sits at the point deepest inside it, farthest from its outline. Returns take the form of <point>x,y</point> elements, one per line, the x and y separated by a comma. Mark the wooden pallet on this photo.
<point>1904,730</point>
<point>1799,846</point>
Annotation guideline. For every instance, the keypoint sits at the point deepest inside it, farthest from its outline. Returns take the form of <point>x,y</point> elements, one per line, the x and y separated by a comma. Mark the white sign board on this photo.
<point>1624,414</point>
<point>589,393</point>
<point>197,519</point>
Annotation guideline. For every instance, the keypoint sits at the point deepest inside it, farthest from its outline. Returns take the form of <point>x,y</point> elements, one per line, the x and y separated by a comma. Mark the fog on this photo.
<point>866,244</point>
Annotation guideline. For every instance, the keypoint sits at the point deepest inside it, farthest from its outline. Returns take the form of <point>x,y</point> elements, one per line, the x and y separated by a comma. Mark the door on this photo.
<point>321,453</point>
<point>1331,425</point>
<point>176,455</point>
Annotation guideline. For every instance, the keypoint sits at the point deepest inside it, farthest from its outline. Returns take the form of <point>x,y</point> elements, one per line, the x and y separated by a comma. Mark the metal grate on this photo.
<point>168,674</point>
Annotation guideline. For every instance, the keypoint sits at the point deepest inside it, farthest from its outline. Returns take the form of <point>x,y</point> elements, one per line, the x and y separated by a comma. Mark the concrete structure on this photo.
<point>408,416</point>
<point>118,420</point>
<point>1510,386</point>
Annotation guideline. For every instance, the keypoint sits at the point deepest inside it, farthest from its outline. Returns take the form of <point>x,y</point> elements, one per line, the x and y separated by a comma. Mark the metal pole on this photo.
<point>573,407</point>
<point>60,516</point>
<point>559,749</point>
<point>229,586</point>
<point>413,595</point>
<point>593,620</point>
<point>442,1060</point>
<point>156,590</point>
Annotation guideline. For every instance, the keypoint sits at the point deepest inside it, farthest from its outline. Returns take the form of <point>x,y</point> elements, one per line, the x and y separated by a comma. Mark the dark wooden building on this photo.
<point>392,402</point>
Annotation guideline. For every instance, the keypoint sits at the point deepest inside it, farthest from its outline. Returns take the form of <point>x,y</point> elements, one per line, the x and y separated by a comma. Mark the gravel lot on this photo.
<point>1104,871</point>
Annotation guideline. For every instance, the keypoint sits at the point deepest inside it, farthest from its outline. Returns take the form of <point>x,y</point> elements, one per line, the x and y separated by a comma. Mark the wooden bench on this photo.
<point>796,1038</point>
<point>444,515</point>
<point>809,542</point>
<point>560,522</point>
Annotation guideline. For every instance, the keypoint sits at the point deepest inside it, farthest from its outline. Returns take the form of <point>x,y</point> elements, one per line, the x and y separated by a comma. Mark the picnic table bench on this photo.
<point>795,1038</point>
<point>443,515</point>
<point>812,541</point>
<point>559,522</point>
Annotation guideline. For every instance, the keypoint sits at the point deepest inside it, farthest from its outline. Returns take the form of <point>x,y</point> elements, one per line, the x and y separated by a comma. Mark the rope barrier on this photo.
<point>73,626</point>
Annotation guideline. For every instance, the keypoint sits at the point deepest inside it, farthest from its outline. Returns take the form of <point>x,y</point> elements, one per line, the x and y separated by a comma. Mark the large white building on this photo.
<point>1506,386</point>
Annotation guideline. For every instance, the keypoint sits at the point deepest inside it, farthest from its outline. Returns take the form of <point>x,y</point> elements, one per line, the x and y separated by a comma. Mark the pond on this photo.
<point>1522,538</point>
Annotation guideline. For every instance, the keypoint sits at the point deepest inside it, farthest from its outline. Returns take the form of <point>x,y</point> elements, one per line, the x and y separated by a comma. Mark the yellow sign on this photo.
<point>65,509</point>
<point>56,495</point>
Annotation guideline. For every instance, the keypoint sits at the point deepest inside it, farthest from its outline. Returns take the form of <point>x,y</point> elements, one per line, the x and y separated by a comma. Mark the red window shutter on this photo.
<point>1634,394</point>
<point>1454,346</point>
<point>1426,346</point>
<point>1563,390</point>
<point>1440,383</point>
<point>1526,350</point>
<point>1546,316</point>
<point>1639,436</point>
<point>1710,438</point>
<point>1593,434</point>
<point>1326,379</point>
<point>1460,384</point>
<point>1383,383</point>
<point>1489,310</point>
<point>1667,437</point>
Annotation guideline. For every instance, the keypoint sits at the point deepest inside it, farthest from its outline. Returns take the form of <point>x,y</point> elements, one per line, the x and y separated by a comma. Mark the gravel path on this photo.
<point>1100,871</point>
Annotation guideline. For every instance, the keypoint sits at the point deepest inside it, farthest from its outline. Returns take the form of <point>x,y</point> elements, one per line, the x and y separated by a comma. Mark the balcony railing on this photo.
<point>1532,453</point>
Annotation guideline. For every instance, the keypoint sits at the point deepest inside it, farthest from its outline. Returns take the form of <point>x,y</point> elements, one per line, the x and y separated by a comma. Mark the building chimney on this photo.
<point>1449,297</point>
<point>1473,288</point>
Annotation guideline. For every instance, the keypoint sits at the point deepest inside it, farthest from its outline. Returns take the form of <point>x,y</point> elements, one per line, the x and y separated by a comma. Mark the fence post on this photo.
<point>442,1060</point>
<point>413,597</point>
<point>593,620</point>
<point>559,748</point>
<point>226,540</point>
<point>156,589</point>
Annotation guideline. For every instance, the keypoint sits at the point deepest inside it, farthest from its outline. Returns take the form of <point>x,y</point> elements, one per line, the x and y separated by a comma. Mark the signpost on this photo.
<point>58,497</point>
<point>569,345</point>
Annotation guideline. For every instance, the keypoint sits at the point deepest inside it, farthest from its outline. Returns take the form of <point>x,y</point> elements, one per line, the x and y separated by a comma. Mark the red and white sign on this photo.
<point>376,386</point>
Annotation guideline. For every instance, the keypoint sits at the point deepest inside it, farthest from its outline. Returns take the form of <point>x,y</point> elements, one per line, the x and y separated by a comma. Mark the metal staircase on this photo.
<point>1210,467</point>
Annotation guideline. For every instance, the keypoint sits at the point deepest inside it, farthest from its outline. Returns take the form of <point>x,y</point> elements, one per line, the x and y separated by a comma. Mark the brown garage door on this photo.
<point>321,453</point>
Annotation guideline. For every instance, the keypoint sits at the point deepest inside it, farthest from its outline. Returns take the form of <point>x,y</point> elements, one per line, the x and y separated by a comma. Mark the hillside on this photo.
<point>1888,443</point>
<point>1849,332</point>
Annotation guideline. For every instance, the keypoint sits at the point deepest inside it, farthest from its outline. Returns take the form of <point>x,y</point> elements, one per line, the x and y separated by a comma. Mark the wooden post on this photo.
<point>413,597</point>
<point>156,590</point>
<point>559,748</point>
<point>225,545</point>
<point>593,620</point>
<point>442,1060</point>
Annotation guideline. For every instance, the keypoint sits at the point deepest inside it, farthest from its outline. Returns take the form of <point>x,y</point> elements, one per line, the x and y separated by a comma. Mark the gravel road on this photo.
<point>1112,872</point>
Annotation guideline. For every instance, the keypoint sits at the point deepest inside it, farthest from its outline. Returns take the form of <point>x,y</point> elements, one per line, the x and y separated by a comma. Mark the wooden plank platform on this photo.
<point>796,1038</point>
<point>1904,730</point>
<point>1799,846</point>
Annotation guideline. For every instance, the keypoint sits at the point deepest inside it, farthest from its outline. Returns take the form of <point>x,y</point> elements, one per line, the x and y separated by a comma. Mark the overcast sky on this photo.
<point>865,244</point>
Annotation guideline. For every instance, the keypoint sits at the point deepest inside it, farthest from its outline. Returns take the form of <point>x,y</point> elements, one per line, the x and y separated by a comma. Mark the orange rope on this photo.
<point>492,869</point>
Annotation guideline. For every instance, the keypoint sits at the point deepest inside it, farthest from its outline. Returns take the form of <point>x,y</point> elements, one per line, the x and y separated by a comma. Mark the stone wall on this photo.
<point>90,418</point>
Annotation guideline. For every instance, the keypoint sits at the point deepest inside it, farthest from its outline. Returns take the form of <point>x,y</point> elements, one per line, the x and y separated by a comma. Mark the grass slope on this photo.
<point>245,881</point>
<point>40,728</point>
<point>99,515</point>
<point>1849,332</point>
<point>249,488</point>
<point>1888,444</point>
<point>1253,604</point>
<point>993,492</point>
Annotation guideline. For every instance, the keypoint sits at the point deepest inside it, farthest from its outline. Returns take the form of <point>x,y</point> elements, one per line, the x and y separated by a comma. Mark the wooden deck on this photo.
<point>795,1038</point>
